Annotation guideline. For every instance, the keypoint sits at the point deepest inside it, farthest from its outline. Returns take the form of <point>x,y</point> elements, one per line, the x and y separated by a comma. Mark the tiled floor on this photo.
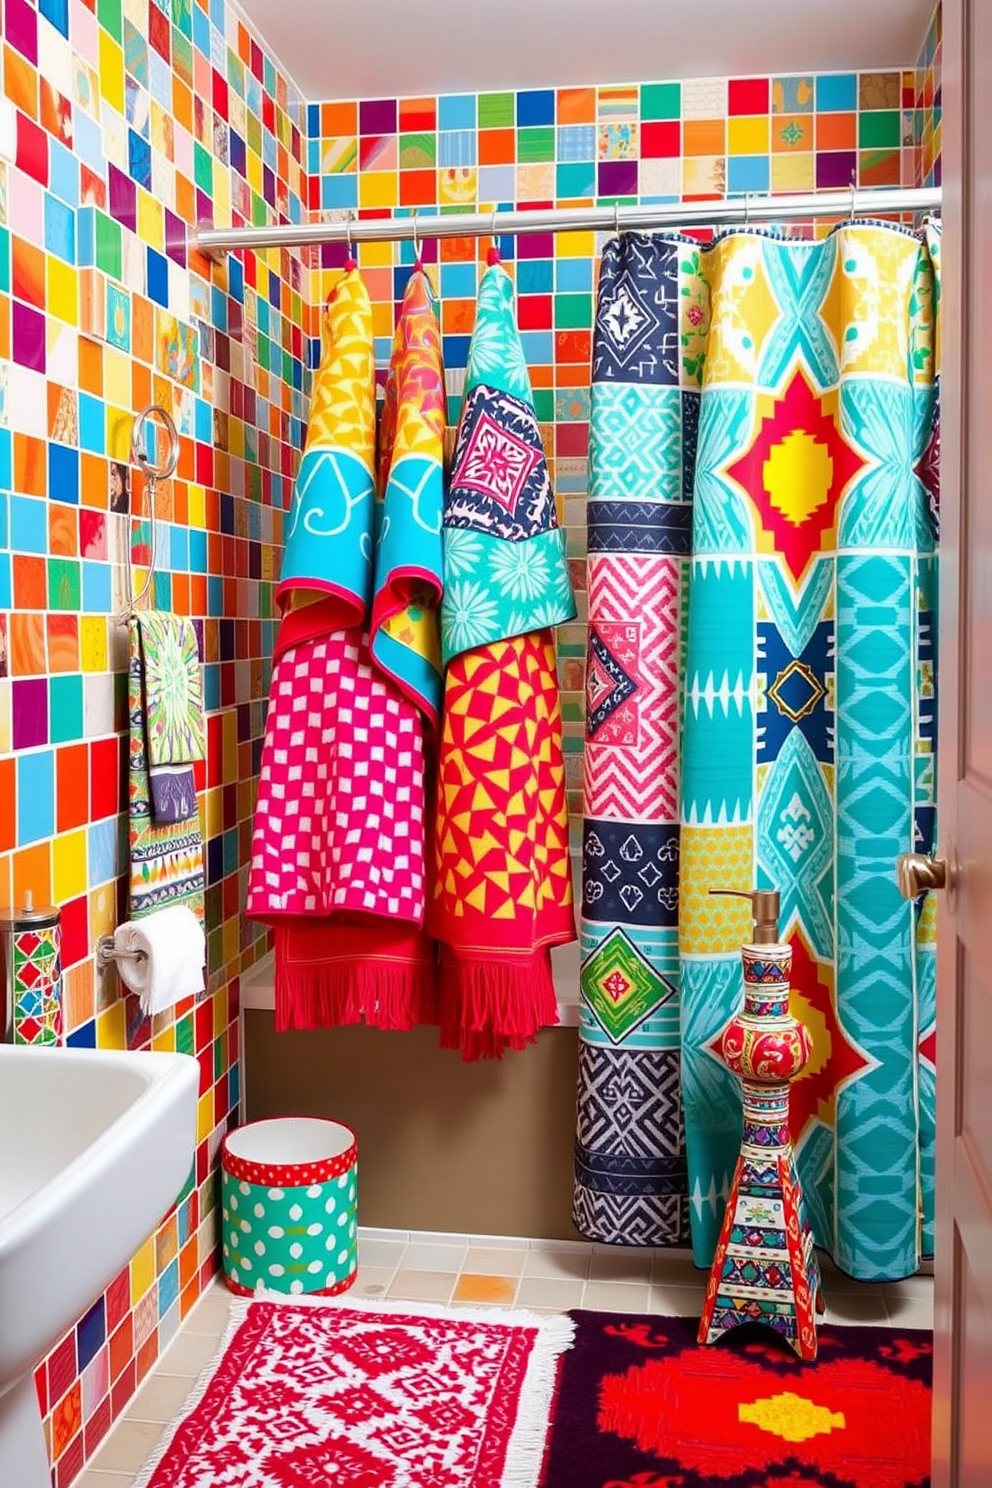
<point>544,1276</point>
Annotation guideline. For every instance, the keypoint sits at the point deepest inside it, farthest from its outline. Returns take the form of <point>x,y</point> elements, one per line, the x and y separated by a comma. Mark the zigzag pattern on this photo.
<point>629,1157</point>
<point>640,780</point>
<point>622,1221</point>
<point>630,1117</point>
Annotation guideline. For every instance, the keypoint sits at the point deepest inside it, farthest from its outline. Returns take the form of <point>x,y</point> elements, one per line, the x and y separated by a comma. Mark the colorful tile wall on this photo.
<point>640,143</point>
<point>922,107</point>
<point>122,122</point>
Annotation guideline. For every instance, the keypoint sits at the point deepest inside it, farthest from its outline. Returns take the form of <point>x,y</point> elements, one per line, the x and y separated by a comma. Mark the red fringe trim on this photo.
<point>381,994</point>
<point>487,1007</point>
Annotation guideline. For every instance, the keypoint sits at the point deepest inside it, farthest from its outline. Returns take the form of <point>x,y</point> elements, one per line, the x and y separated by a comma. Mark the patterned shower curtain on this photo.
<point>807,695</point>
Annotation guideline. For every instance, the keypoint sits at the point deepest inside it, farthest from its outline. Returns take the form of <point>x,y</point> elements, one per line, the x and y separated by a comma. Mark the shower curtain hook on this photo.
<point>747,209</point>
<point>492,256</point>
<point>416,243</point>
<point>616,219</point>
<point>854,195</point>
<point>351,262</point>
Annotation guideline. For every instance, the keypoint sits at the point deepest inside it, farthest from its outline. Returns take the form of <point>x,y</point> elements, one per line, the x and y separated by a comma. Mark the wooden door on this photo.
<point>963,1304</point>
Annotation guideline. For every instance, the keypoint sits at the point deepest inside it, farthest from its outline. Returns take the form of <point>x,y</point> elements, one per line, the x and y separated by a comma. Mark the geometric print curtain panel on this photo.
<point>809,723</point>
<point>761,712</point>
<point>630,1175</point>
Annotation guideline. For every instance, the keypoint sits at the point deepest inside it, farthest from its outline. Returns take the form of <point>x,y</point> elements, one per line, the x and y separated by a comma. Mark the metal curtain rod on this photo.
<point>849,203</point>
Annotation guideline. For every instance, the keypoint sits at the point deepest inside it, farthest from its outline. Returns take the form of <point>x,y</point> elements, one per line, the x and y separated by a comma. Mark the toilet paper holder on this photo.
<point>107,951</point>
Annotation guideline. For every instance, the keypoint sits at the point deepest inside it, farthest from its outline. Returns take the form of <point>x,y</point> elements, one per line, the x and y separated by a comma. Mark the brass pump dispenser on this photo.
<point>765,905</point>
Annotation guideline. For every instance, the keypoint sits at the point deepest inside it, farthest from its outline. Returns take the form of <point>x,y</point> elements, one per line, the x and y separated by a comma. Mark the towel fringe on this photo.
<point>487,1007</point>
<point>382,995</point>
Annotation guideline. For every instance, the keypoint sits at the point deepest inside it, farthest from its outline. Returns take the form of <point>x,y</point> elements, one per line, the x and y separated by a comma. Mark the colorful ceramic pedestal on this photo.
<point>765,1269</point>
<point>289,1206</point>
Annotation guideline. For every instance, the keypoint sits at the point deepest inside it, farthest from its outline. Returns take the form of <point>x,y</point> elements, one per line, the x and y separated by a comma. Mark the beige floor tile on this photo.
<point>491,1261</point>
<point>128,1446</point>
<point>909,1312</point>
<point>371,1282</point>
<point>550,1292</point>
<point>677,1301</point>
<point>161,1397</point>
<point>380,1252</point>
<point>95,1478</point>
<point>616,1296</point>
<point>212,1313</point>
<point>621,1265</point>
<point>474,1287</point>
<point>422,1286</point>
<point>672,1268</point>
<point>865,1306</point>
<point>920,1288</point>
<point>564,1265</point>
<point>188,1353</point>
<point>421,1255</point>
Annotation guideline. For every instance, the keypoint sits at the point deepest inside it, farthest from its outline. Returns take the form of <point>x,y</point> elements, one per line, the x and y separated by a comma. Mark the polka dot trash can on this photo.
<point>289,1191</point>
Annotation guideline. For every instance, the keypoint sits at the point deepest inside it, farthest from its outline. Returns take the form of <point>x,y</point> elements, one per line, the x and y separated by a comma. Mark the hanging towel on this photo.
<point>173,712</point>
<point>173,951</point>
<point>503,890</point>
<point>166,856</point>
<point>338,853</point>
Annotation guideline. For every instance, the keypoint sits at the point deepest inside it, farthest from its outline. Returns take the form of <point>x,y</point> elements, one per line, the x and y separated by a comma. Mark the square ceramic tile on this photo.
<point>677,1301</point>
<point>494,1262</point>
<point>865,1307</point>
<point>129,1445</point>
<point>621,1265</point>
<point>422,1256</point>
<point>571,1264</point>
<point>422,1286</point>
<point>556,1294</point>
<point>371,1282</point>
<point>161,1397</point>
<point>374,1252</point>
<point>189,1353</point>
<point>616,1296</point>
<point>499,1291</point>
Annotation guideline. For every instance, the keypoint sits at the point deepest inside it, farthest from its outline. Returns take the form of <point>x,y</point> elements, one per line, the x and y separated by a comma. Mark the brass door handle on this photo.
<point>916,873</point>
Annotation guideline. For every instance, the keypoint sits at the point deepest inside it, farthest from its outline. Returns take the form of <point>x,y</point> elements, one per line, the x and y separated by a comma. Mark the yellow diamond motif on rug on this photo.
<point>791,1417</point>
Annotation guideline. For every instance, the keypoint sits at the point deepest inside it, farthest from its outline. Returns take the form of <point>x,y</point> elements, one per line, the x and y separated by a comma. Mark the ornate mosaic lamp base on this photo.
<point>765,1269</point>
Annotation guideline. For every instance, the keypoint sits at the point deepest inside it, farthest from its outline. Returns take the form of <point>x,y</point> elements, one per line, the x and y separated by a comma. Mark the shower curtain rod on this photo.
<point>742,209</point>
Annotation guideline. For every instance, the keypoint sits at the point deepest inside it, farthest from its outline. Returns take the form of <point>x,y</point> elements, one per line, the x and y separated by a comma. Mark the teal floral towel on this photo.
<point>173,707</point>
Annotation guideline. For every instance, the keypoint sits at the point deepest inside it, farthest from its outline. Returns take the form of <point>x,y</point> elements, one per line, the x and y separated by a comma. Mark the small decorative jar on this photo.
<point>31,946</point>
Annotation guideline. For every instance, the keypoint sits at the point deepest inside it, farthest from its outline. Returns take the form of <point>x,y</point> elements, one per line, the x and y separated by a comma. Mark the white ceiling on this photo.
<point>388,48</point>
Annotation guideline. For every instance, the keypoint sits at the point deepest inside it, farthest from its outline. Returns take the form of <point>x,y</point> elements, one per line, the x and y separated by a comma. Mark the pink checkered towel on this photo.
<point>337,857</point>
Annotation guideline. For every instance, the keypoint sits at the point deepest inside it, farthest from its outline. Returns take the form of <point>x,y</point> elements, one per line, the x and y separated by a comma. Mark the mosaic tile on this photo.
<point>120,127</point>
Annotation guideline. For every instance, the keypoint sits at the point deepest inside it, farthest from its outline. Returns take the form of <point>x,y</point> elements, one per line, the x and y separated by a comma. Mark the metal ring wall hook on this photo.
<point>155,470</point>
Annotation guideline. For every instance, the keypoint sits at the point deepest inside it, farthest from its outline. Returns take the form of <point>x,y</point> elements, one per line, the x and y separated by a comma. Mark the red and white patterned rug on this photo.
<point>310,1394</point>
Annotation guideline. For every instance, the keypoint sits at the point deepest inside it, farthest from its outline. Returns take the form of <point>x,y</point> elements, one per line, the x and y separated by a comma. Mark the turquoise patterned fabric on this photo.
<point>810,720</point>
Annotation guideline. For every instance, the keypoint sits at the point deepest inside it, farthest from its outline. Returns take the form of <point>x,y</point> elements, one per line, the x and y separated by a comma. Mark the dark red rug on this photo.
<point>641,1405</point>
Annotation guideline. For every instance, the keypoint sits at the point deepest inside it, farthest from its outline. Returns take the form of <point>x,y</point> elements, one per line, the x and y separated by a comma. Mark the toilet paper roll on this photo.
<point>174,949</point>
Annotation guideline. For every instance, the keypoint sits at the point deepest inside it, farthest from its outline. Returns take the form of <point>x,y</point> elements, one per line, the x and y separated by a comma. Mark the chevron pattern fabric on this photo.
<point>630,1177</point>
<point>809,730</point>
